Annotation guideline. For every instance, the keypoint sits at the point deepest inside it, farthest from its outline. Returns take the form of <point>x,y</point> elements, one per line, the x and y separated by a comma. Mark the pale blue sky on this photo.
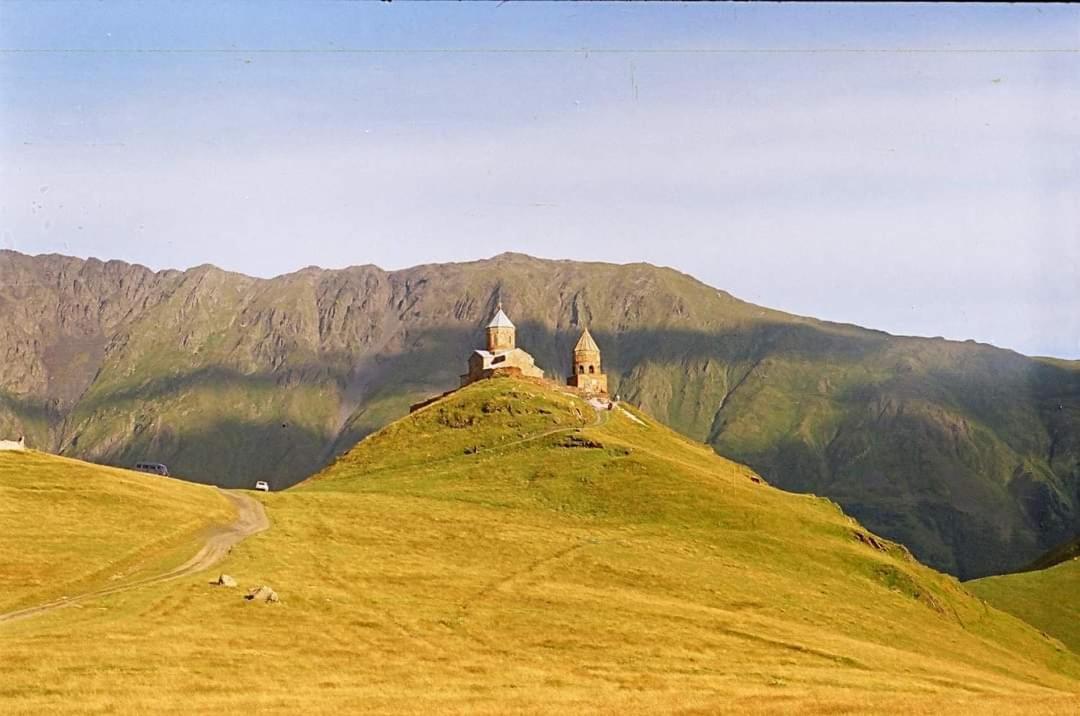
<point>913,168</point>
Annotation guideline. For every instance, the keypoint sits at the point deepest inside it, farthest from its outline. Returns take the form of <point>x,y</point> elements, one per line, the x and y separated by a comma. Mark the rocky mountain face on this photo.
<point>967,453</point>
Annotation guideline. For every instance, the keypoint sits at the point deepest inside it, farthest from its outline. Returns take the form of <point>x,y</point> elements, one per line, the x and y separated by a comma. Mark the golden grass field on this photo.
<point>67,526</point>
<point>506,550</point>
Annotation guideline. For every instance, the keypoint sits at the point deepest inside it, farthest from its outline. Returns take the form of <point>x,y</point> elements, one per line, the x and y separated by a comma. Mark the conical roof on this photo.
<point>500,321</point>
<point>586,343</point>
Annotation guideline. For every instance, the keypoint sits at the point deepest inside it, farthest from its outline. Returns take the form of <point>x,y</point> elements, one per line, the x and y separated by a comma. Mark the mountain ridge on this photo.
<point>509,255</point>
<point>966,453</point>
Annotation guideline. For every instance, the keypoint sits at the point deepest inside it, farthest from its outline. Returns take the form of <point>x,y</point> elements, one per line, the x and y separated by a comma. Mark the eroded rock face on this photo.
<point>965,453</point>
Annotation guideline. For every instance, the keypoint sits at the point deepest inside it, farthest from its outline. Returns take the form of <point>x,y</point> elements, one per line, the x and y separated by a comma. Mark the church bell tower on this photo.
<point>500,333</point>
<point>586,373</point>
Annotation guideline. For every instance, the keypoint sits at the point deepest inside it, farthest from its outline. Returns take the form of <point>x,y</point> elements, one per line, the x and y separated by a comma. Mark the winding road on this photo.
<point>250,520</point>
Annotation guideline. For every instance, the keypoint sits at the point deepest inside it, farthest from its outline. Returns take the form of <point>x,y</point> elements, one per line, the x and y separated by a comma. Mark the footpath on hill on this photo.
<point>601,417</point>
<point>251,519</point>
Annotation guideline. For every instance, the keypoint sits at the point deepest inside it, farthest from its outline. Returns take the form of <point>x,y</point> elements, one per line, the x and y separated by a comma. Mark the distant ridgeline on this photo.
<point>968,454</point>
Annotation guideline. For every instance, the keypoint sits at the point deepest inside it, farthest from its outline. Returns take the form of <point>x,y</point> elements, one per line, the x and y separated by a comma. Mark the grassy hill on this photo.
<point>964,452</point>
<point>68,527</point>
<point>511,549</point>
<point>1047,595</point>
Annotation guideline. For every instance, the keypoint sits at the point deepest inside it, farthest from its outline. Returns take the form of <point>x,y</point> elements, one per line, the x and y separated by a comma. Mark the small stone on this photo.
<point>225,581</point>
<point>262,594</point>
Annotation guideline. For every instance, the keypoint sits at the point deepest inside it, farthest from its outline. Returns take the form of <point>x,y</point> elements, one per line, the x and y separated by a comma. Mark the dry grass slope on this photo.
<point>68,526</point>
<point>509,549</point>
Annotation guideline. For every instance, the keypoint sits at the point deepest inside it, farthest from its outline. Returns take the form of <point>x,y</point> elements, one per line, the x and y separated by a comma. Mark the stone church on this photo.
<point>502,356</point>
<point>586,374</point>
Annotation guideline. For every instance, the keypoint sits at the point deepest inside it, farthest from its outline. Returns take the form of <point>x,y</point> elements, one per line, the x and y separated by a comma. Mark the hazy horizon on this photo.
<point>913,169</point>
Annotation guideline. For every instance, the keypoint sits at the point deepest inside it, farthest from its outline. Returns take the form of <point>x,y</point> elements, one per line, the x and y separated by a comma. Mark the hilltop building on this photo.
<point>14,445</point>
<point>586,373</point>
<point>502,356</point>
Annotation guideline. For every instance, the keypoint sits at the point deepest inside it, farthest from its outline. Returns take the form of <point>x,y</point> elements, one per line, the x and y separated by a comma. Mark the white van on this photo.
<point>154,468</point>
<point>262,486</point>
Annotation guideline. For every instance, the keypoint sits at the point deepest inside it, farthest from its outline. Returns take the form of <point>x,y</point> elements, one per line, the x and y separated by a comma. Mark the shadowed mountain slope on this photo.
<point>511,549</point>
<point>967,453</point>
<point>1061,553</point>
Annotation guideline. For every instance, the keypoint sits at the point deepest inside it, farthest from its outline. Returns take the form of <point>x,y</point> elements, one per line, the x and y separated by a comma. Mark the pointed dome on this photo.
<point>500,321</point>
<point>586,343</point>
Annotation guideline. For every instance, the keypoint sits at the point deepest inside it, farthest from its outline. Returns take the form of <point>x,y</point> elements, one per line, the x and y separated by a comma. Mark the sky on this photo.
<point>913,168</point>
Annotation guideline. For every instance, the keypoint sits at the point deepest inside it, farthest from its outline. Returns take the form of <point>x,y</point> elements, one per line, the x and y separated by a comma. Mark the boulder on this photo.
<point>225,581</point>
<point>262,594</point>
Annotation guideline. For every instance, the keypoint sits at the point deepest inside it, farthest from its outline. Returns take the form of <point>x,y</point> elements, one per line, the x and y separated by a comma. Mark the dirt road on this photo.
<point>250,519</point>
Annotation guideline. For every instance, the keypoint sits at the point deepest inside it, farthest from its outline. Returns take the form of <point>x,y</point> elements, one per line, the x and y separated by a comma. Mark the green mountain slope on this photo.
<point>968,454</point>
<point>1045,597</point>
<point>510,548</point>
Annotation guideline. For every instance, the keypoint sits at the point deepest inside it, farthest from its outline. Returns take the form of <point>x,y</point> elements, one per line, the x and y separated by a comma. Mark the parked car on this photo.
<point>262,486</point>
<point>154,468</point>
